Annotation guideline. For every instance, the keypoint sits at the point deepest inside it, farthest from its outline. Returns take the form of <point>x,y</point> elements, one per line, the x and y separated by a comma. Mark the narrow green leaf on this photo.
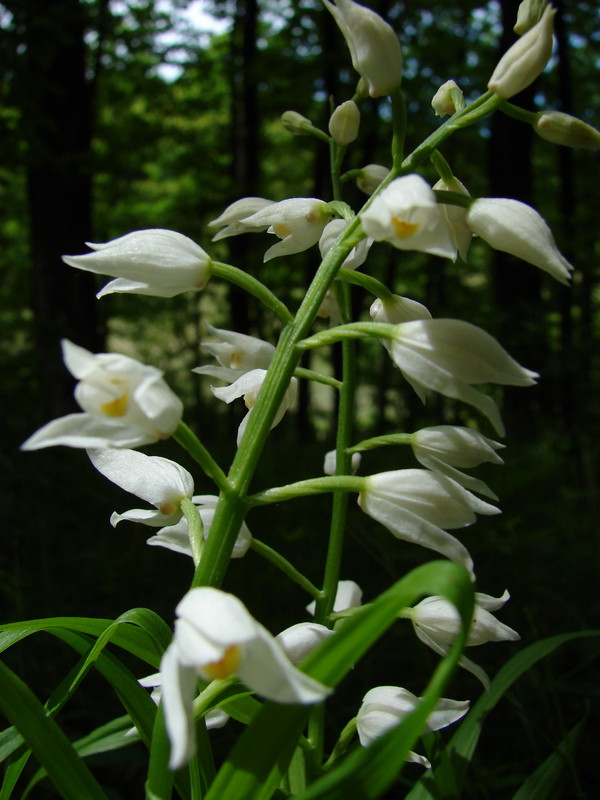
<point>48,743</point>
<point>546,781</point>
<point>261,756</point>
<point>159,784</point>
<point>448,779</point>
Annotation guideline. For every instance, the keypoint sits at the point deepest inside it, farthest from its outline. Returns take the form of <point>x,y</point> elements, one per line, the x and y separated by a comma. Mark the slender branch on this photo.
<point>286,567</point>
<point>252,286</point>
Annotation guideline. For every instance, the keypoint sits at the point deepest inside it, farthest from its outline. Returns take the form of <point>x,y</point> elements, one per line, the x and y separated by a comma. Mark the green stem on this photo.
<point>185,437</point>
<point>311,375</point>
<point>284,566</point>
<point>378,441</point>
<point>354,330</point>
<point>328,483</point>
<point>254,287</point>
<point>367,282</point>
<point>511,110</point>
<point>399,128</point>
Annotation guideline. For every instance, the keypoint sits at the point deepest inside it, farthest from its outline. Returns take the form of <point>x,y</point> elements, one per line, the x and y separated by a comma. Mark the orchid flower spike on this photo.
<point>450,356</point>
<point>517,228</point>
<point>125,404</point>
<point>154,262</point>
<point>384,707</point>
<point>374,47</point>
<point>407,215</point>
<point>437,623</point>
<point>248,386</point>
<point>216,638</point>
<point>298,222</point>
<point>159,481</point>
<point>230,221</point>
<point>177,537</point>
<point>417,505</point>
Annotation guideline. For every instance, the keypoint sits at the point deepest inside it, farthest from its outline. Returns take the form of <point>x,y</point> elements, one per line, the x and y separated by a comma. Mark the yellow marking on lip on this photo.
<point>168,508</point>
<point>226,666</point>
<point>281,230</point>
<point>404,229</point>
<point>116,407</point>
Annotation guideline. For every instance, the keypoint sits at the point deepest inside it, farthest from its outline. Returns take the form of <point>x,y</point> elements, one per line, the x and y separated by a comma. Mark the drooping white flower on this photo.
<point>154,262</point>
<point>437,623</point>
<point>450,356</point>
<point>561,128</point>
<point>407,216</point>
<point>444,100</point>
<point>298,222</point>
<point>237,350</point>
<point>517,228</point>
<point>526,59</point>
<point>444,447</point>
<point>330,461</point>
<point>348,595</point>
<point>370,177</point>
<point>159,481</point>
<point>125,404</point>
<point>344,123</point>
<point>528,14</point>
<point>177,537</point>
<point>300,640</point>
<point>384,707</point>
<point>216,637</point>
<point>248,386</point>
<point>356,257</point>
<point>397,309</point>
<point>417,505</point>
<point>456,216</point>
<point>374,47</point>
<point>230,221</point>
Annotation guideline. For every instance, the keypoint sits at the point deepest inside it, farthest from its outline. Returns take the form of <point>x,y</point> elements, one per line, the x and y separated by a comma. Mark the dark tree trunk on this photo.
<point>57,122</point>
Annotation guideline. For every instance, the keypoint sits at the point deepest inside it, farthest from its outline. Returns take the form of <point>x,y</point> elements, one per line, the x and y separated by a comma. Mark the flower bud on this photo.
<point>525,60</point>
<point>370,177</point>
<point>373,44</point>
<point>295,123</point>
<point>529,13</point>
<point>560,128</point>
<point>444,101</point>
<point>344,122</point>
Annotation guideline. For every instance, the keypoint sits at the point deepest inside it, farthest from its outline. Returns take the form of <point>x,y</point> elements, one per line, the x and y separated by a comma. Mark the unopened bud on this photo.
<point>560,128</point>
<point>448,99</point>
<point>525,60</point>
<point>529,13</point>
<point>295,123</point>
<point>344,122</point>
<point>370,177</point>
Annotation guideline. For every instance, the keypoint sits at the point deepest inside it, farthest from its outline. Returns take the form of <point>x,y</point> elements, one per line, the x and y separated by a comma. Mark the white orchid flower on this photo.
<point>159,481</point>
<point>374,47</point>
<point>348,595</point>
<point>407,215</point>
<point>356,257</point>
<point>298,222</point>
<point>299,640</point>
<point>456,216</point>
<point>177,537</point>
<point>517,228</point>
<point>526,59</point>
<point>330,463</point>
<point>370,177</point>
<point>248,386</point>
<point>417,505</point>
<point>230,221</point>
<point>216,637</point>
<point>449,356</point>
<point>155,262</point>
<point>437,623</point>
<point>444,447</point>
<point>237,350</point>
<point>384,707</point>
<point>397,309</point>
<point>125,404</point>
<point>444,101</point>
<point>344,123</point>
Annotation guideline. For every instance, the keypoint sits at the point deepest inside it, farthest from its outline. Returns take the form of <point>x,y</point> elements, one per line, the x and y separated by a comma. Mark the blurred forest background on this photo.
<point>118,115</point>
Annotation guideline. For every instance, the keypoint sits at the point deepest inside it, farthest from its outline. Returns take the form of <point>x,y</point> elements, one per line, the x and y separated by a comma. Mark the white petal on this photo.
<point>178,691</point>
<point>217,615</point>
<point>85,431</point>
<point>301,639</point>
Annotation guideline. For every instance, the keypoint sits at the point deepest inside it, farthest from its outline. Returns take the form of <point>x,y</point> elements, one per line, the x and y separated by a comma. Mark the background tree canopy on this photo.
<point>120,115</point>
